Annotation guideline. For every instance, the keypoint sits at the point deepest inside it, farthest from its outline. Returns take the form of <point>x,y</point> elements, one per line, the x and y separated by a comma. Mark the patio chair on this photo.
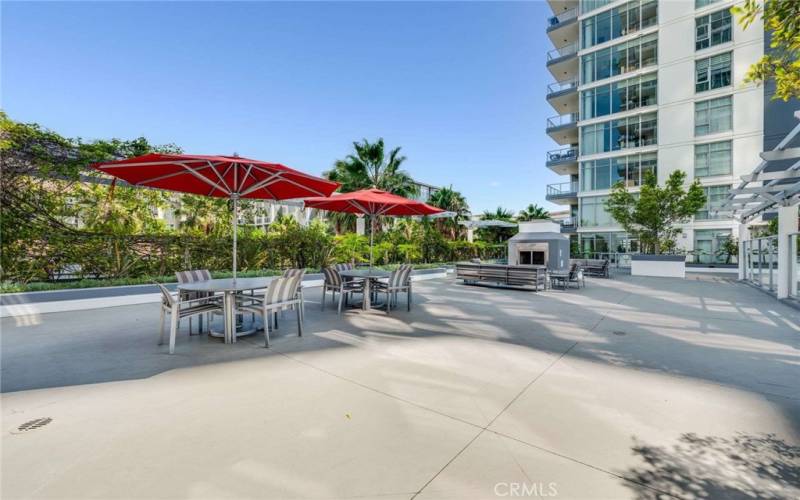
<point>399,281</point>
<point>191,277</point>
<point>574,275</point>
<point>279,296</point>
<point>291,273</point>
<point>178,309</point>
<point>335,283</point>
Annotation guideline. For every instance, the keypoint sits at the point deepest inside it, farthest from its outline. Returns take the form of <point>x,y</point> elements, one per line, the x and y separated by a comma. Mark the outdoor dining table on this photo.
<point>368,275</point>
<point>229,287</point>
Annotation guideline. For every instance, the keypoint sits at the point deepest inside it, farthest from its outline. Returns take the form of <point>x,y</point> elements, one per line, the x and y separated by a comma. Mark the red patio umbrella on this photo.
<point>372,202</point>
<point>231,177</point>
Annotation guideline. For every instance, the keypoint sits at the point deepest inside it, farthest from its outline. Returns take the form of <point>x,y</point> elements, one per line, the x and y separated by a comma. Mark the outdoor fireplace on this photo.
<point>539,243</point>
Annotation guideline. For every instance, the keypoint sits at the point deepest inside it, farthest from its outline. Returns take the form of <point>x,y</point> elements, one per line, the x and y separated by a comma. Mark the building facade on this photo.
<point>649,85</point>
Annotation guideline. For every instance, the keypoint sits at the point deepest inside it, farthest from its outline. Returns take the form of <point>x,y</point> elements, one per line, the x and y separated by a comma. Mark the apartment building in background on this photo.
<point>648,85</point>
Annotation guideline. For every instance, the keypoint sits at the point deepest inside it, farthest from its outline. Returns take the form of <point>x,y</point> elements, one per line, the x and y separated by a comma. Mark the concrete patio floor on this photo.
<point>629,388</point>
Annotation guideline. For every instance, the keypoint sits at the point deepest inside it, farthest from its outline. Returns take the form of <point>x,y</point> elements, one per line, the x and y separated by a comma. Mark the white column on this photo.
<point>744,235</point>
<point>787,223</point>
<point>470,234</point>
<point>361,225</point>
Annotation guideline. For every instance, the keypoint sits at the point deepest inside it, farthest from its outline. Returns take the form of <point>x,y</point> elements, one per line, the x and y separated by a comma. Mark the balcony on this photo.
<point>563,62</point>
<point>564,193</point>
<point>569,225</point>
<point>563,27</point>
<point>563,161</point>
<point>563,96</point>
<point>563,128</point>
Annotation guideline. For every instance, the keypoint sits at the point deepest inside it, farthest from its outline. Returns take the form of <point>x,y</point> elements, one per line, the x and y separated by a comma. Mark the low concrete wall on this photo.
<point>662,266</point>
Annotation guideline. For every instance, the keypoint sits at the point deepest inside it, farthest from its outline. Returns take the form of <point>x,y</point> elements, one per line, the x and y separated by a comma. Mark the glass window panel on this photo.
<point>619,21</point>
<point>587,68</point>
<point>713,29</point>
<point>587,32</point>
<point>602,174</point>
<point>587,177</point>
<point>715,196</point>
<point>618,166</point>
<point>649,51</point>
<point>603,106</point>
<point>603,63</point>
<point>649,92</point>
<point>649,130</point>
<point>603,27</point>
<point>713,159</point>
<point>649,13</point>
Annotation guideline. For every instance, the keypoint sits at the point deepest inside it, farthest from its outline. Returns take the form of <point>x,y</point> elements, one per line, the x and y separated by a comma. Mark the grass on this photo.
<point>38,286</point>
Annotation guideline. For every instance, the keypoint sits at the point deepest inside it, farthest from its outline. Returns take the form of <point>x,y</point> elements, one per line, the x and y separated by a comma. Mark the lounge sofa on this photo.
<point>592,267</point>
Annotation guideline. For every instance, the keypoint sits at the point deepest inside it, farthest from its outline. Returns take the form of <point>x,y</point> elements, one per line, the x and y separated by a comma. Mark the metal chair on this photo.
<point>177,309</point>
<point>191,277</point>
<point>335,283</point>
<point>399,281</point>
<point>281,294</point>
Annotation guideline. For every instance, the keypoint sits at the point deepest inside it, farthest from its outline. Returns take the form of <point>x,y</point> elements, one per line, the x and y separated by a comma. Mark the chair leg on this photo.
<point>275,318</point>
<point>267,327</point>
<point>324,290</point>
<point>339,312</point>
<point>408,299</point>
<point>173,330</point>
<point>161,334</point>
<point>299,321</point>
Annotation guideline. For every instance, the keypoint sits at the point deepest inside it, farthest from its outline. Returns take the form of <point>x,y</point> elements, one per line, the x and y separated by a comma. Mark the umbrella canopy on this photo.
<point>219,176</point>
<point>372,202</point>
<point>231,177</point>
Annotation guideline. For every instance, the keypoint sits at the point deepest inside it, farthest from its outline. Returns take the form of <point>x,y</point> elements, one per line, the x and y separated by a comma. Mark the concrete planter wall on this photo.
<point>663,266</point>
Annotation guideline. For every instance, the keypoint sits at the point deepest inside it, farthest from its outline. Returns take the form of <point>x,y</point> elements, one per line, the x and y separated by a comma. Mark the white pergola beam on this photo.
<point>780,154</point>
<point>771,176</point>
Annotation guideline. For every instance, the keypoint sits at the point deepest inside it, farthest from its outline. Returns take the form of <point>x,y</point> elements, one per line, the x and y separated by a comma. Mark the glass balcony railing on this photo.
<point>563,154</point>
<point>563,51</point>
<point>554,21</point>
<point>562,189</point>
<point>562,86</point>
<point>562,120</point>
<point>570,224</point>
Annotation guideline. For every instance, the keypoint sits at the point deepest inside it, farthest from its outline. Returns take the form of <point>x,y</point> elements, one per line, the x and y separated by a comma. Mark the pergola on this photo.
<point>773,184</point>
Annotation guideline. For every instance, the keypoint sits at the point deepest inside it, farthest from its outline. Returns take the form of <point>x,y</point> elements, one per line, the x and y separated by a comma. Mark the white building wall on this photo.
<point>677,97</point>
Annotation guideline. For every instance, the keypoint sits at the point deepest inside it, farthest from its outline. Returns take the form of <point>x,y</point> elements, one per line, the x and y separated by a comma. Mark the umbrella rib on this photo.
<point>166,176</point>
<point>244,178</point>
<point>222,179</point>
<point>262,183</point>
<point>202,178</point>
<point>290,181</point>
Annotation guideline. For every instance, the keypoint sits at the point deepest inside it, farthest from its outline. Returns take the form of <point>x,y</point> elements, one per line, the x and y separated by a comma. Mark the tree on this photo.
<point>782,64</point>
<point>533,212</point>
<point>450,200</point>
<point>651,215</point>
<point>369,167</point>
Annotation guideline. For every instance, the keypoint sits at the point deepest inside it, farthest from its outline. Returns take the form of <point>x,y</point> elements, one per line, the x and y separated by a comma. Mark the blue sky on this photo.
<point>459,85</point>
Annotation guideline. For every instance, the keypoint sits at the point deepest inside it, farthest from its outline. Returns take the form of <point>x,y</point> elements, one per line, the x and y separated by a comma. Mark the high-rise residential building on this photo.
<point>648,85</point>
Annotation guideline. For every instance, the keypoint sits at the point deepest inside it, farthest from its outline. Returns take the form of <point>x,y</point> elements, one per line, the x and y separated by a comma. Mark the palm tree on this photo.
<point>450,200</point>
<point>497,234</point>
<point>369,167</point>
<point>533,212</point>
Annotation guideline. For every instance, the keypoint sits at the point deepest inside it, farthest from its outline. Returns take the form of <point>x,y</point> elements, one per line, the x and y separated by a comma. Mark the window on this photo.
<point>593,212</point>
<point>712,159</point>
<point>605,173</point>
<point>623,20</point>
<point>708,244</point>
<point>699,4</point>
<point>590,5</point>
<point>713,115</point>
<point>620,59</point>
<point>623,133</point>
<point>712,72</point>
<point>715,196</point>
<point>621,96</point>
<point>712,29</point>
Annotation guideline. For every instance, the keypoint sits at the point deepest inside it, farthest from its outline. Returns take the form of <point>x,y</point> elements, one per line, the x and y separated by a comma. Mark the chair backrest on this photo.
<point>408,269</point>
<point>290,273</point>
<point>281,290</point>
<point>343,267</point>
<point>332,276</point>
<point>193,275</point>
<point>573,271</point>
<point>399,277</point>
<point>166,298</point>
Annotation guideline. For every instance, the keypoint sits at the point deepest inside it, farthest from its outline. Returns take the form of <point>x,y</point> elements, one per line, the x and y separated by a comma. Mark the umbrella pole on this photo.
<point>235,229</point>
<point>371,236</point>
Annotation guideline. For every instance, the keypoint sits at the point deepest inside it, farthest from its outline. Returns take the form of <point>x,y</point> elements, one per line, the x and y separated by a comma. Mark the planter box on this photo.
<point>663,266</point>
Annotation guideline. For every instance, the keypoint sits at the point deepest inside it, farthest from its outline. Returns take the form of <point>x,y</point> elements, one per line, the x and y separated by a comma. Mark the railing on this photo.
<point>562,120</point>
<point>562,86</point>
<point>570,224</point>
<point>563,51</point>
<point>761,262</point>
<point>794,253</point>
<point>618,260</point>
<point>562,189</point>
<point>554,21</point>
<point>563,154</point>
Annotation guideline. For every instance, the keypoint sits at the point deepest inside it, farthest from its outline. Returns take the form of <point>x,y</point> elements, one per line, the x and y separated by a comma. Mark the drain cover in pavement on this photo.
<point>618,332</point>
<point>34,424</point>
